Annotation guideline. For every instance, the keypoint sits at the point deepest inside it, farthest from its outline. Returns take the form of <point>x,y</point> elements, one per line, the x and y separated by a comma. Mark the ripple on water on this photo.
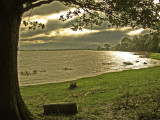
<point>59,66</point>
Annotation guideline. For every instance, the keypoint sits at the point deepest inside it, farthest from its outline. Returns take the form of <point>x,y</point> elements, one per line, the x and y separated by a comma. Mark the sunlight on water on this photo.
<point>38,67</point>
<point>126,56</point>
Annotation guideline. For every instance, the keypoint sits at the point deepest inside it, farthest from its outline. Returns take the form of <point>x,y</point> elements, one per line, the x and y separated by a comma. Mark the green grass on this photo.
<point>101,97</point>
<point>155,56</point>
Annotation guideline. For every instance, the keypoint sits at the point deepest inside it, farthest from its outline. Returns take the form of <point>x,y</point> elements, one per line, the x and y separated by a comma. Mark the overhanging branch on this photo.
<point>96,6</point>
<point>75,2</point>
<point>36,5</point>
<point>30,1</point>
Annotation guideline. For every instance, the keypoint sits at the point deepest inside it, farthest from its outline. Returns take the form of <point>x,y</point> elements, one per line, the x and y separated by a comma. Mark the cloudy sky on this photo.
<point>58,35</point>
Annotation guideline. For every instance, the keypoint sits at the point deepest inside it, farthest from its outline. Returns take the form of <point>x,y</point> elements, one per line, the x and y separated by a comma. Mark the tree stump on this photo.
<point>60,108</point>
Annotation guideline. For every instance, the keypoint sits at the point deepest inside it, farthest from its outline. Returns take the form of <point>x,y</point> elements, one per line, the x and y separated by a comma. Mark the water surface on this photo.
<point>39,67</point>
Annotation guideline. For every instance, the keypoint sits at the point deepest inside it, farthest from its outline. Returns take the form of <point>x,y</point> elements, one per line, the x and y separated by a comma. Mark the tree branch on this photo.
<point>28,1</point>
<point>75,2</point>
<point>89,5</point>
<point>36,4</point>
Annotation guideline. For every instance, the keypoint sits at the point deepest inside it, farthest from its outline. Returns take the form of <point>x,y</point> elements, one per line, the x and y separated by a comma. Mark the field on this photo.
<point>127,95</point>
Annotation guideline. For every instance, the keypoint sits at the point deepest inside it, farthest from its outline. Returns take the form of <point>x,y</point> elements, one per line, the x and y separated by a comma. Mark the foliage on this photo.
<point>135,13</point>
<point>149,42</point>
<point>33,25</point>
<point>104,47</point>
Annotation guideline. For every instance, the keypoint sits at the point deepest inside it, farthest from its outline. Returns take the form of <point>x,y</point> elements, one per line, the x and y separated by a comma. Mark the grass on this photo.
<point>149,55</point>
<point>155,56</point>
<point>132,94</point>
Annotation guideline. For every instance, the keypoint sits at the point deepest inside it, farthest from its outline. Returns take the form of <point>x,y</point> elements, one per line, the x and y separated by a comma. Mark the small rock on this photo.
<point>67,68</point>
<point>127,63</point>
<point>155,62</point>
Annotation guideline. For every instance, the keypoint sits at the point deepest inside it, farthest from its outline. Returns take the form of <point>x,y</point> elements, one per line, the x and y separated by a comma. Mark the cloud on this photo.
<point>136,32</point>
<point>58,35</point>
<point>46,9</point>
<point>156,1</point>
<point>34,42</point>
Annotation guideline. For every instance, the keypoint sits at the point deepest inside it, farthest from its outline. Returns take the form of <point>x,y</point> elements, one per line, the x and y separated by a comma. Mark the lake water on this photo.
<point>39,67</point>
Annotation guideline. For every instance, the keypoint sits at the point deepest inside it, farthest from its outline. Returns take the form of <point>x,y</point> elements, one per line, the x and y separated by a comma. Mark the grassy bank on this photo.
<point>107,96</point>
<point>155,56</point>
<point>149,55</point>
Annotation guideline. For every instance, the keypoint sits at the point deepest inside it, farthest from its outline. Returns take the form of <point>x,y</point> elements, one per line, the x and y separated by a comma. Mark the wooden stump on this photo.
<point>60,108</point>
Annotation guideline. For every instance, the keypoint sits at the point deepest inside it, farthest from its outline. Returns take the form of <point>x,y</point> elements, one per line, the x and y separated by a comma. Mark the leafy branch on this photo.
<point>33,25</point>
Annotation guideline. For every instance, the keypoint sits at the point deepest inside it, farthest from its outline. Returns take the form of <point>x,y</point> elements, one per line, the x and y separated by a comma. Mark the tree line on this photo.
<point>104,47</point>
<point>149,42</point>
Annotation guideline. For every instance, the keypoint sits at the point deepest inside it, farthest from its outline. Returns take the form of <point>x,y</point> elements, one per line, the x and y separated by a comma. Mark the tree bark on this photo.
<point>12,106</point>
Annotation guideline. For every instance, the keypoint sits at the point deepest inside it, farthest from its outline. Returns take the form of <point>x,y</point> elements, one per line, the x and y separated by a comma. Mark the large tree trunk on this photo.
<point>12,106</point>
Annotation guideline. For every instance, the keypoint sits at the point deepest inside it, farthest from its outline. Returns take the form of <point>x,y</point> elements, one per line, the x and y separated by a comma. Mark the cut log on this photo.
<point>60,108</point>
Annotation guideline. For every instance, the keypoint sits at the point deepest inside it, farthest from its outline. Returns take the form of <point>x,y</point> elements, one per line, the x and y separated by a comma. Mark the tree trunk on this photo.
<point>12,106</point>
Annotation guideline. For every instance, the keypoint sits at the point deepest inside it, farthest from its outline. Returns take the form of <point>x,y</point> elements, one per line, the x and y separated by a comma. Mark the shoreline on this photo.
<point>92,75</point>
<point>95,96</point>
<point>69,81</point>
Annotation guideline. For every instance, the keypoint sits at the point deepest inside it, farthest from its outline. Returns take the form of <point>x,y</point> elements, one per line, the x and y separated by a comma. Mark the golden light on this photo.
<point>35,36</point>
<point>118,29</point>
<point>33,42</point>
<point>135,32</point>
<point>57,16</point>
<point>156,1</point>
<point>111,29</point>
<point>126,56</point>
<point>43,21</point>
<point>53,33</point>
<point>124,28</point>
<point>68,31</point>
<point>37,18</point>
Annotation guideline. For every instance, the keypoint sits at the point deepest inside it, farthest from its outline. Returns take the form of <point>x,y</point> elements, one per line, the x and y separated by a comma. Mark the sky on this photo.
<point>58,34</point>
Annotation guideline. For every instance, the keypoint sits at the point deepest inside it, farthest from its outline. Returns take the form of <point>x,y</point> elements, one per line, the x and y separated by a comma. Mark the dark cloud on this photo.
<point>51,26</point>
<point>47,9</point>
<point>60,41</point>
<point>81,41</point>
<point>50,45</point>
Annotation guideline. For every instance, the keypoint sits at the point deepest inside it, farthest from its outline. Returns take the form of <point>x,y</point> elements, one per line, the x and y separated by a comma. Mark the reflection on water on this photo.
<point>37,67</point>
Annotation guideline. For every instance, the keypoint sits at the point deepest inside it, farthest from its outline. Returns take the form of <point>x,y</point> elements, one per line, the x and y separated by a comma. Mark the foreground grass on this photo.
<point>132,94</point>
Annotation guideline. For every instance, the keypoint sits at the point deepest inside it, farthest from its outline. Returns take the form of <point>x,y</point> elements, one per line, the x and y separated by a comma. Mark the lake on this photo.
<point>39,67</point>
